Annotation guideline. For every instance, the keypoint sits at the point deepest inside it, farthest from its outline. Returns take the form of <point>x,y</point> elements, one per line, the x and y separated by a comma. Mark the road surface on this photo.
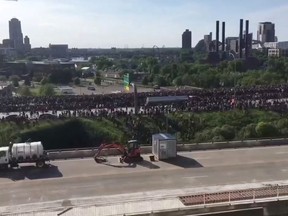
<point>72,179</point>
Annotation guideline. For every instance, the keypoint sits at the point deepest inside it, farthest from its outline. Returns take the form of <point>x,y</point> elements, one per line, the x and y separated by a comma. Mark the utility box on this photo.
<point>164,146</point>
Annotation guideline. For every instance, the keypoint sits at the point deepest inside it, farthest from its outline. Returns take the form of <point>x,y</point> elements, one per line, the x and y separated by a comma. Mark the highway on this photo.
<point>81,178</point>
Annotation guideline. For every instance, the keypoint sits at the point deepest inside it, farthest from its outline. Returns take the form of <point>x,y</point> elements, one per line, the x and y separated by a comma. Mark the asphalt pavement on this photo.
<point>75,179</point>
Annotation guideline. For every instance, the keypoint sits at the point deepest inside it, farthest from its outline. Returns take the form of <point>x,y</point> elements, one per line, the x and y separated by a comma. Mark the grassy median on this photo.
<point>188,127</point>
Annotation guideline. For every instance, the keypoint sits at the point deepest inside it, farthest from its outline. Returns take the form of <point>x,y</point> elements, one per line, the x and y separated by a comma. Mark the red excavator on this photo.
<point>130,154</point>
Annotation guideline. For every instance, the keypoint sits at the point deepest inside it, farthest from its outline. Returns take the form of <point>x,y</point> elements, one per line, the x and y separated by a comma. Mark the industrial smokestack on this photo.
<point>223,36</point>
<point>217,36</point>
<point>247,39</point>
<point>241,39</point>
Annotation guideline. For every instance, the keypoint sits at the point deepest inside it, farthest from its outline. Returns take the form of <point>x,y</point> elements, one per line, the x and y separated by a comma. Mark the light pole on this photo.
<point>234,60</point>
<point>135,97</point>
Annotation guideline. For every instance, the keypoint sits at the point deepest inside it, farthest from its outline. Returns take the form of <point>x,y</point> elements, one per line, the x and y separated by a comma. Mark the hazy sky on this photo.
<point>135,23</point>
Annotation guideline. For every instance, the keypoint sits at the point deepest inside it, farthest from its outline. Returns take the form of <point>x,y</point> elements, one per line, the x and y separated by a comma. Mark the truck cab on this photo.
<point>4,157</point>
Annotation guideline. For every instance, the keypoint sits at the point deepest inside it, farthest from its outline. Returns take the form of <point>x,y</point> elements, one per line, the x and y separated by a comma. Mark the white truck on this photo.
<point>29,152</point>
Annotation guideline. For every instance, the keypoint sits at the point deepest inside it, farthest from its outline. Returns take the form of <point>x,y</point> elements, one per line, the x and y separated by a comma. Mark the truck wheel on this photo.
<point>40,164</point>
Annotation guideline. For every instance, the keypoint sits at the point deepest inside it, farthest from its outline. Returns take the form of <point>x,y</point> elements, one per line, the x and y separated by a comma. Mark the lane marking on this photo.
<point>279,153</point>
<point>240,149</point>
<point>195,177</point>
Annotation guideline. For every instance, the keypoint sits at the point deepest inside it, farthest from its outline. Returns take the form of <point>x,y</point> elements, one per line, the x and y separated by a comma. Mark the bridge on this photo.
<point>197,183</point>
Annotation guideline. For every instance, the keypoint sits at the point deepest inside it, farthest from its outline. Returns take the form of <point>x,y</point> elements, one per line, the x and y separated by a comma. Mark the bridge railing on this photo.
<point>224,144</point>
<point>235,196</point>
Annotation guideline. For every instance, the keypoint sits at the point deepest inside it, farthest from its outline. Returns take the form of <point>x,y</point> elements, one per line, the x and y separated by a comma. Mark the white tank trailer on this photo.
<point>29,152</point>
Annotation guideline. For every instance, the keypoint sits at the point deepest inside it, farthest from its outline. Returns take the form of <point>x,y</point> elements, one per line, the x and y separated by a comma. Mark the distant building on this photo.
<point>232,44</point>
<point>8,52</point>
<point>249,43</point>
<point>58,50</point>
<point>41,51</point>
<point>46,67</point>
<point>187,39</point>
<point>39,68</point>
<point>277,52</point>
<point>7,43</point>
<point>15,34</point>
<point>208,41</point>
<point>266,32</point>
<point>27,45</point>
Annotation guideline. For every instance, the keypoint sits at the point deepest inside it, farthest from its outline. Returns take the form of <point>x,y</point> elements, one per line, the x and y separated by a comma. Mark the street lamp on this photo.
<point>234,59</point>
<point>135,97</point>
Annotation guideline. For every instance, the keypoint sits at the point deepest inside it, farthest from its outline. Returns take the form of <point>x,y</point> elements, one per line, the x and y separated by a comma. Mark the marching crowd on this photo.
<point>274,98</point>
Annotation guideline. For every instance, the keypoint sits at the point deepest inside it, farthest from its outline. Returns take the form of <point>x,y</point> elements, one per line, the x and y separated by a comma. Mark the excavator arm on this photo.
<point>119,147</point>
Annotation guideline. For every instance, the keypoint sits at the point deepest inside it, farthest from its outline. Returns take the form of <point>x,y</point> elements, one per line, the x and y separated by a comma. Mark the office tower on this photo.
<point>187,39</point>
<point>15,34</point>
<point>266,32</point>
<point>27,45</point>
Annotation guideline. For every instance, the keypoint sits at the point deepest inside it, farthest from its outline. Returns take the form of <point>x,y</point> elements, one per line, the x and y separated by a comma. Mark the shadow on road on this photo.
<point>183,162</point>
<point>148,164</point>
<point>144,163</point>
<point>134,165</point>
<point>31,172</point>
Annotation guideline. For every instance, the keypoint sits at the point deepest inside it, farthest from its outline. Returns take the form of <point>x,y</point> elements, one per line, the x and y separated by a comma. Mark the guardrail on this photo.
<point>203,146</point>
<point>235,196</point>
<point>90,152</point>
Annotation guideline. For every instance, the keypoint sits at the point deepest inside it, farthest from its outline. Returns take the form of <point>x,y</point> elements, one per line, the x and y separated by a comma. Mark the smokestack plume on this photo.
<point>223,36</point>
<point>241,39</point>
<point>217,36</point>
<point>246,39</point>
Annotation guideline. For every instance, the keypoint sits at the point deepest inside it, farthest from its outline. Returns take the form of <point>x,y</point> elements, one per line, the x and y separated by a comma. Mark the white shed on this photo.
<point>164,146</point>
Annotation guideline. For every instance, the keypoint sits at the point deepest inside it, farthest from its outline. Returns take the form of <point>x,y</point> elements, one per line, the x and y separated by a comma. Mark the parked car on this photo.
<point>91,88</point>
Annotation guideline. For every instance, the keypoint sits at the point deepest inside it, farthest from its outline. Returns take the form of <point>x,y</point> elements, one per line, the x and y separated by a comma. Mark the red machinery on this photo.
<point>131,154</point>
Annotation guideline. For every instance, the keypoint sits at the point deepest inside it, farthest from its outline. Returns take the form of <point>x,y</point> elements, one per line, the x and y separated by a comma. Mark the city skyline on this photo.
<point>135,23</point>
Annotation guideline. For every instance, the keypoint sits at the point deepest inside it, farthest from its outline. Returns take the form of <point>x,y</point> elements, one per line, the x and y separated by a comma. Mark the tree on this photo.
<point>3,78</point>
<point>264,129</point>
<point>145,80</point>
<point>160,81</point>
<point>60,76</point>
<point>25,91</point>
<point>27,82</point>
<point>15,80</point>
<point>47,90</point>
<point>77,81</point>
<point>97,79</point>
<point>103,63</point>
<point>44,81</point>
<point>178,81</point>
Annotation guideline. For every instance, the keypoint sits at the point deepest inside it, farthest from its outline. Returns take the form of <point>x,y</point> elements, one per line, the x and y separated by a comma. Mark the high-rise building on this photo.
<point>27,45</point>
<point>15,34</point>
<point>266,32</point>
<point>208,41</point>
<point>187,39</point>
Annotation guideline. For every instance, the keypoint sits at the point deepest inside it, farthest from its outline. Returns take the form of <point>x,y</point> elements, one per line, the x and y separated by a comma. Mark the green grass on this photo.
<point>189,127</point>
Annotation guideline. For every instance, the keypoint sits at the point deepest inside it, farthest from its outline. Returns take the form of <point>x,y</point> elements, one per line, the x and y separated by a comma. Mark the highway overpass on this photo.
<point>153,185</point>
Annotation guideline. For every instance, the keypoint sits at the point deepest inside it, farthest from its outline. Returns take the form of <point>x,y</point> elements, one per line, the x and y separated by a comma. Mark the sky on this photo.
<point>135,23</point>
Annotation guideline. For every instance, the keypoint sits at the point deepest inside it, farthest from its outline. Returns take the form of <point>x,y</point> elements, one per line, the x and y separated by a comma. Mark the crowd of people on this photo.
<point>274,98</point>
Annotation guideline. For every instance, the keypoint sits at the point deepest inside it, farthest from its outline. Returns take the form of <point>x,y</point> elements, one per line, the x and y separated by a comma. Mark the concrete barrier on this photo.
<point>86,153</point>
<point>60,155</point>
<point>263,208</point>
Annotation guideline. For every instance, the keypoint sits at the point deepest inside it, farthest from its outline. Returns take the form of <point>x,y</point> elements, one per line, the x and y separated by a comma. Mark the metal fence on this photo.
<point>234,196</point>
<point>243,143</point>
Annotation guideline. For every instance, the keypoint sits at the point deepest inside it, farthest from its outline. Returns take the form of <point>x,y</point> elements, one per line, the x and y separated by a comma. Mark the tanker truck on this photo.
<point>29,152</point>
